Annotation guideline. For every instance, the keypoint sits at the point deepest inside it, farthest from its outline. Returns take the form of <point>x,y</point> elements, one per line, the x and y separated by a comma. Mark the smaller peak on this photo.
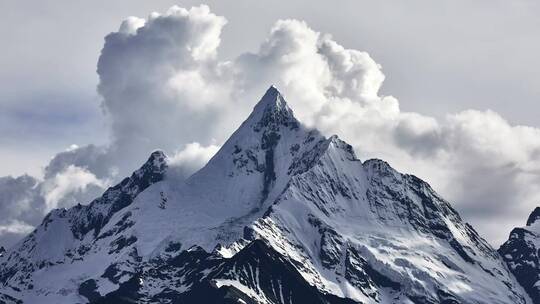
<point>157,154</point>
<point>534,216</point>
<point>335,141</point>
<point>379,166</point>
<point>332,149</point>
<point>157,162</point>
<point>377,162</point>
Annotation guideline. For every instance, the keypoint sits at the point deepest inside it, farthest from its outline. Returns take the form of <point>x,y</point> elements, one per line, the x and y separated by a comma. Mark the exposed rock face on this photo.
<point>521,253</point>
<point>281,214</point>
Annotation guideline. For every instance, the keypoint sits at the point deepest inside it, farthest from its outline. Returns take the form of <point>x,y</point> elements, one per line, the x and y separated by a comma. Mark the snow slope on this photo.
<point>278,206</point>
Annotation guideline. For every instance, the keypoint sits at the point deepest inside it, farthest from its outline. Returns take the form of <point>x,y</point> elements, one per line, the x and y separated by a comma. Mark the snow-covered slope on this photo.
<point>50,261</point>
<point>280,214</point>
<point>521,253</point>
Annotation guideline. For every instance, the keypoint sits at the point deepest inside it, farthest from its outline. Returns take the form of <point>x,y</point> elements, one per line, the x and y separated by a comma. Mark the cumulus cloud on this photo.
<point>95,158</point>
<point>164,86</point>
<point>67,186</point>
<point>193,157</point>
<point>161,83</point>
<point>493,168</point>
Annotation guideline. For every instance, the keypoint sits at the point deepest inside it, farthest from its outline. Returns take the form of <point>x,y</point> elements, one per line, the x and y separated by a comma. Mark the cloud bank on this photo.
<point>164,87</point>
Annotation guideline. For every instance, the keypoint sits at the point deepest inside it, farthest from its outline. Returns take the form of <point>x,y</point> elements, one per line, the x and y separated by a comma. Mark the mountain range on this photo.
<point>281,214</point>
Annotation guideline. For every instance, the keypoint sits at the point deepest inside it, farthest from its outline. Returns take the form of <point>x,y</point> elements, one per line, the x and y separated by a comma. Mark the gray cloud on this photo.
<point>21,207</point>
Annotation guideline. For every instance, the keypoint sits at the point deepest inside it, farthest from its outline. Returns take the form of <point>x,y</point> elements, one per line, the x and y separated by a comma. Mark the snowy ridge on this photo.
<point>521,253</point>
<point>66,236</point>
<point>413,245</point>
<point>280,214</point>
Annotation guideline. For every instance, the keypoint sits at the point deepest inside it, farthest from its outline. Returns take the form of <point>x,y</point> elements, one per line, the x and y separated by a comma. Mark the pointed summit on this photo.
<point>272,111</point>
<point>272,98</point>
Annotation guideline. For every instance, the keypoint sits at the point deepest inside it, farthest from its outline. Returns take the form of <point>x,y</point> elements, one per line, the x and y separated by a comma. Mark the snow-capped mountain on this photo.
<point>521,253</point>
<point>281,214</point>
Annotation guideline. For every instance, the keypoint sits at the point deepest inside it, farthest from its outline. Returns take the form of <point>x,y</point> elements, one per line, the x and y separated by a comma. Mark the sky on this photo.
<point>445,90</point>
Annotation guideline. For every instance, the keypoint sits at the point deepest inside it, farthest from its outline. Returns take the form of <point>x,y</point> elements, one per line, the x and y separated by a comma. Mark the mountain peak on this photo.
<point>272,111</point>
<point>272,97</point>
<point>534,216</point>
<point>156,163</point>
<point>308,221</point>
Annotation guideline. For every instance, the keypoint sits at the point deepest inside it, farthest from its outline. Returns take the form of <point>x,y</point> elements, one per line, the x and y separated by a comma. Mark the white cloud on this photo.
<point>188,160</point>
<point>163,86</point>
<point>67,184</point>
<point>486,134</point>
<point>161,83</point>
<point>131,25</point>
<point>15,227</point>
<point>72,147</point>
